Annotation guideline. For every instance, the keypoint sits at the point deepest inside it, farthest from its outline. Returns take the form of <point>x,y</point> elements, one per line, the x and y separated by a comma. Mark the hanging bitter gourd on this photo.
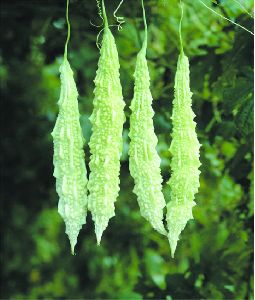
<point>144,161</point>
<point>106,141</point>
<point>69,165</point>
<point>184,181</point>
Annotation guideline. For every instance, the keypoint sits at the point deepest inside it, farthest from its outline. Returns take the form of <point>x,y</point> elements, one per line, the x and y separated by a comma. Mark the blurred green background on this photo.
<point>214,258</point>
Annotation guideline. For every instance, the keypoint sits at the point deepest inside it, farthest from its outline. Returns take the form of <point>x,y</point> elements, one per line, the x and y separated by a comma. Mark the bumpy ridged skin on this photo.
<point>70,169</point>
<point>106,141</point>
<point>144,161</point>
<point>184,181</point>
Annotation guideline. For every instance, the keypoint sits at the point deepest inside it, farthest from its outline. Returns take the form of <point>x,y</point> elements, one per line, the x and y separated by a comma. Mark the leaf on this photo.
<point>244,119</point>
<point>155,267</point>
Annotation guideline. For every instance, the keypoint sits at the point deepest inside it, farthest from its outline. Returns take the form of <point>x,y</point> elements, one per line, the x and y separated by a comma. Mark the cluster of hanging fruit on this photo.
<point>77,194</point>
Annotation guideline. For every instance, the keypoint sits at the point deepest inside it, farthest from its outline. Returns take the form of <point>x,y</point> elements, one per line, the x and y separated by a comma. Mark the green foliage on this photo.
<point>214,257</point>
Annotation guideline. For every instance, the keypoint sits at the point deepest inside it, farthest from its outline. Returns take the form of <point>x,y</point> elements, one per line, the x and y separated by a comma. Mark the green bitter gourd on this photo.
<point>184,181</point>
<point>144,161</point>
<point>106,141</point>
<point>69,165</point>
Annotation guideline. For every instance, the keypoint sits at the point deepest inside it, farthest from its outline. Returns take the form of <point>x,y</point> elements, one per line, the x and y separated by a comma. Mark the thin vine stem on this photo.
<point>215,12</point>
<point>100,15</point>
<point>145,28</point>
<point>180,27</point>
<point>243,7</point>
<point>119,19</point>
<point>68,28</point>
<point>104,15</point>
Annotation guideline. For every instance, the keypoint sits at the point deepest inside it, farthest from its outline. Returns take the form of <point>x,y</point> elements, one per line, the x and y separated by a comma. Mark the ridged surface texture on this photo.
<point>144,161</point>
<point>184,181</point>
<point>106,141</point>
<point>69,164</point>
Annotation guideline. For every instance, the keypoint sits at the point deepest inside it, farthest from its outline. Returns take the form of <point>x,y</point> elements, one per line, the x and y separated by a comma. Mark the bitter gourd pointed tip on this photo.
<point>73,242</point>
<point>72,250</point>
<point>99,237</point>
<point>99,232</point>
<point>173,245</point>
<point>160,228</point>
<point>72,232</point>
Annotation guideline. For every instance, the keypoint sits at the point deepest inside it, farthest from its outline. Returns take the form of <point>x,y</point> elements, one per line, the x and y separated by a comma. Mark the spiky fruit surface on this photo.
<point>69,164</point>
<point>144,161</point>
<point>184,181</point>
<point>106,141</point>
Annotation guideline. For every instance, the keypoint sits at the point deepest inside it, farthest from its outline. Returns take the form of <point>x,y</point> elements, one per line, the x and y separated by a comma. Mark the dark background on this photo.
<point>214,258</point>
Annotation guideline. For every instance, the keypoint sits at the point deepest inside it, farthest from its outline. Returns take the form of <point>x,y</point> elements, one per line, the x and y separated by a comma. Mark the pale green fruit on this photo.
<point>106,141</point>
<point>184,181</point>
<point>144,161</point>
<point>70,169</point>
